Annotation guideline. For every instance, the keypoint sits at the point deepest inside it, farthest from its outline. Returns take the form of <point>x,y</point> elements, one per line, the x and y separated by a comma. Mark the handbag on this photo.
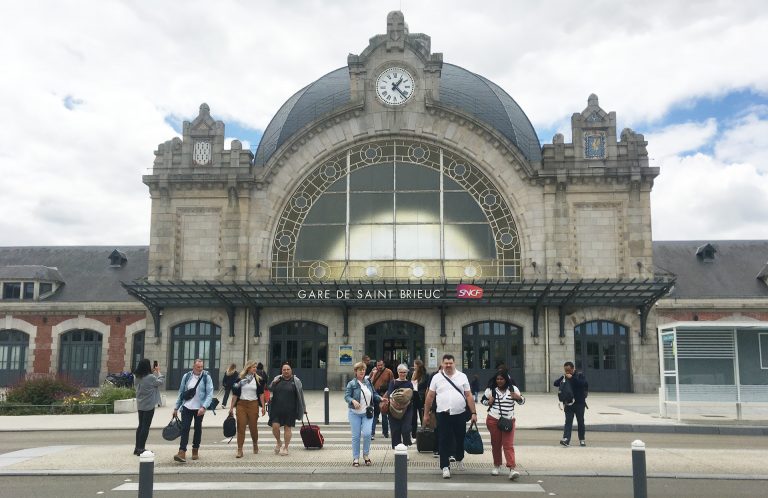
<point>173,429</point>
<point>230,426</point>
<point>384,406</point>
<point>473,443</point>
<point>467,411</point>
<point>504,424</point>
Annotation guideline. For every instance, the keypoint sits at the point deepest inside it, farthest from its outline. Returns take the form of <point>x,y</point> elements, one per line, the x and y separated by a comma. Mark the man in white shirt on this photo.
<point>450,389</point>
<point>200,385</point>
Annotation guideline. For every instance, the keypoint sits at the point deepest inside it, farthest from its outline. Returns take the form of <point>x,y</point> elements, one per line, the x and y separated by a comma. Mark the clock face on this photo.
<point>395,86</point>
<point>594,146</point>
<point>201,153</point>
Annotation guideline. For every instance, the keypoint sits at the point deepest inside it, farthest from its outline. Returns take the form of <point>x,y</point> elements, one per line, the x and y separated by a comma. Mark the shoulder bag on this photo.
<point>504,424</point>
<point>473,443</point>
<point>172,430</point>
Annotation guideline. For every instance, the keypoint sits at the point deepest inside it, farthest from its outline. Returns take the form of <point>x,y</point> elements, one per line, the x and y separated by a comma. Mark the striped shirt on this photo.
<point>502,403</point>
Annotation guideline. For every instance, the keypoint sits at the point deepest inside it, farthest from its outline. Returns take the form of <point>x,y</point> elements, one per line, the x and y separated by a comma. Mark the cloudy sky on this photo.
<point>88,89</point>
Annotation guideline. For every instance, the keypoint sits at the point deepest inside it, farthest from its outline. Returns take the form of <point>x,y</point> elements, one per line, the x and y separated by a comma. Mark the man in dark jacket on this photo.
<point>579,386</point>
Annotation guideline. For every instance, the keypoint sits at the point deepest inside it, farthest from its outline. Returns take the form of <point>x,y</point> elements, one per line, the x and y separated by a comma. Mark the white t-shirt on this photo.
<point>249,390</point>
<point>366,398</point>
<point>449,399</point>
<point>194,403</point>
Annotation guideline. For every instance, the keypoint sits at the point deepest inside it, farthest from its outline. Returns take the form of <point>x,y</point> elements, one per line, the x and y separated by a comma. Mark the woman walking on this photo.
<point>230,377</point>
<point>420,381</point>
<point>501,413</point>
<point>247,398</point>
<point>360,397</point>
<point>400,394</point>
<point>286,406</point>
<point>147,398</point>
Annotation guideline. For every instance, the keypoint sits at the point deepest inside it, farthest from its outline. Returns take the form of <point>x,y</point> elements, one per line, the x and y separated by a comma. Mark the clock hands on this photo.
<point>396,87</point>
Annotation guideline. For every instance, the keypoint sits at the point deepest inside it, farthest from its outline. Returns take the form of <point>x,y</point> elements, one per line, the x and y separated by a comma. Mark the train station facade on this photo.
<point>399,206</point>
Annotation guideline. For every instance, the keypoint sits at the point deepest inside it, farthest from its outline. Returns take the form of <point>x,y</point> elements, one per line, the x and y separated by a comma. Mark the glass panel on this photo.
<point>418,242</point>
<point>422,207</point>
<point>608,328</point>
<point>461,207</point>
<point>468,357</point>
<point>449,184</point>
<point>484,354</point>
<point>3,357</point>
<point>339,185</point>
<point>500,352</point>
<point>370,208</point>
<point>45,288</point>
<point>277,354</point>
<point>609,357</point>
<point>306,354</point>
<point>292,352</point>
<point>11,290</point>
<point>379,178</point>
<point>328,208</point>
<point>593,355</point>
<point>413,177</point>
<point>371,242</point>
<point>29,290</point>
<point>322,354</point>
<point>469,242</point>
<point>516,357</point>
<point>321,242</point>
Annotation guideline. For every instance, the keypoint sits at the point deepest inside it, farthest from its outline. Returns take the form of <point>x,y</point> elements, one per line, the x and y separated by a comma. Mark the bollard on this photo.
<point>401,471</point>
<point>639,480</point>
<point>146,474</point>
<point>327,405</point>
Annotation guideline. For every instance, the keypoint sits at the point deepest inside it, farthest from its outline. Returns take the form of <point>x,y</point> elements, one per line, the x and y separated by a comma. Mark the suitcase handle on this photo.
<point>308,422</point>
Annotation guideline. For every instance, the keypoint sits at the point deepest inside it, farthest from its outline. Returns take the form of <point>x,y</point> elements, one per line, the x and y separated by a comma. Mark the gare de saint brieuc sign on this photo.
<point>463,291</point>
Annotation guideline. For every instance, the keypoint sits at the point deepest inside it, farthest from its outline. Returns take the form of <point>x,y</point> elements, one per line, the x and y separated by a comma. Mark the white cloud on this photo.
<point>679,138</point>
<point>747,141</point>
<point>86,85</point>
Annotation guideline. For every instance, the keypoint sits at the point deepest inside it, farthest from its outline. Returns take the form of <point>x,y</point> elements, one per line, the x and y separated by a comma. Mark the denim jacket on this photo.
<point>353,391</point>
<point>204,390</point>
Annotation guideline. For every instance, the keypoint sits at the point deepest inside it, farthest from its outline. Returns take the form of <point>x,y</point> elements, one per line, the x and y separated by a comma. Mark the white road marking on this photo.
<point>334,486</point>
<point>19,456</point>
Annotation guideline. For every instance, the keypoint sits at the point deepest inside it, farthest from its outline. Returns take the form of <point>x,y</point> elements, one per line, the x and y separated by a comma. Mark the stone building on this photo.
<point>383,199</point>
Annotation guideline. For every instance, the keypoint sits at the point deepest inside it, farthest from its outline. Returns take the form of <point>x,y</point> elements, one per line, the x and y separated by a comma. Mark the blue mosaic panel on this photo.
<point>594,146</point>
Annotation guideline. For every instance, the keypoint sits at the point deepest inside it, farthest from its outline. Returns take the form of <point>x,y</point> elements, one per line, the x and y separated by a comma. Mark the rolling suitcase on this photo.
<point>425,440</point>
<point>310,435</point>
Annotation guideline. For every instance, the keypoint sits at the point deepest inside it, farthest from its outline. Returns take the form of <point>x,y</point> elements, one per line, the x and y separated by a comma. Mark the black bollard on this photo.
<point>146,474</point>
<point>327,406</point>
<point>401,471</point>
<point>639,479</point>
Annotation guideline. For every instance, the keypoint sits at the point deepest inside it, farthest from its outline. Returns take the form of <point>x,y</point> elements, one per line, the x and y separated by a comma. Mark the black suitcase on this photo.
<point>310,435</point>
<point>425,440</point>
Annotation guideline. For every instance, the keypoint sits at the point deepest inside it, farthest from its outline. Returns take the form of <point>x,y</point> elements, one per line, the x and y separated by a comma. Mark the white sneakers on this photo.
<point>513,475</point>
<point>495,471</point>
<point>446,473</point>
<point>460,466</point>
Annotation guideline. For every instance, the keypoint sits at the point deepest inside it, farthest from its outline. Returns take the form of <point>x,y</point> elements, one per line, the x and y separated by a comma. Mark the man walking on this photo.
<point>455,405</point>
<point>575,402</point>
<point>195,393</point>
<point>380,377</point>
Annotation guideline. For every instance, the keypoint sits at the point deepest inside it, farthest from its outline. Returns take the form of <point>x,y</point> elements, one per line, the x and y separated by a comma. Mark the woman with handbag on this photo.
<point>287,406</point>
<point>360,397</point>
<point>147,398</point>
<point>501,422</point>
<point>247,398</point>
<point>400,396</point>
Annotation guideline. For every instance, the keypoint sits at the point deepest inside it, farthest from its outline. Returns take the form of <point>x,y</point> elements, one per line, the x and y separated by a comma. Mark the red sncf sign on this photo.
<point>467,291</point>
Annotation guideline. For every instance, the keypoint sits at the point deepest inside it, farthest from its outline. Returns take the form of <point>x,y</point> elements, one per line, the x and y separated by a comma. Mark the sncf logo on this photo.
<point>467,291</point>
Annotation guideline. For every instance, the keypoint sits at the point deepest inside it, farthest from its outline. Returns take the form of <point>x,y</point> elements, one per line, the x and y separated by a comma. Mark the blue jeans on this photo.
<point>360,424</point>
<point>186,422</point>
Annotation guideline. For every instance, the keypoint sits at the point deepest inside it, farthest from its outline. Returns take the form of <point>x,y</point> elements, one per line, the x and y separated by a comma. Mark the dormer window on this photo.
<point>706,253</point>
<point>117,259</point>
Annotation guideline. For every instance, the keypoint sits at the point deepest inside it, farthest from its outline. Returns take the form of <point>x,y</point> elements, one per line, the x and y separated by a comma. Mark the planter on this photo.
<point>125,405</point>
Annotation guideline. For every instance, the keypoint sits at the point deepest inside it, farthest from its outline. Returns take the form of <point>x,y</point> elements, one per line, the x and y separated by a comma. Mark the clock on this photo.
<point>201,153</point>
<point>395,86</point>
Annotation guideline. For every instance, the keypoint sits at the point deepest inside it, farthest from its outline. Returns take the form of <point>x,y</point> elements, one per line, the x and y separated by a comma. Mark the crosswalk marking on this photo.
<point>506,487</point>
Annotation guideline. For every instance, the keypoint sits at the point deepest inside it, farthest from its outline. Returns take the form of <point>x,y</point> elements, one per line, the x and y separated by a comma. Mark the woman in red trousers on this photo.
<point>501,404</point>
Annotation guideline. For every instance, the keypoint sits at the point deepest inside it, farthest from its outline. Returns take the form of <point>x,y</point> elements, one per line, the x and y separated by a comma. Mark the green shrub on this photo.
<point>41,391</point>
<point>110,394</point>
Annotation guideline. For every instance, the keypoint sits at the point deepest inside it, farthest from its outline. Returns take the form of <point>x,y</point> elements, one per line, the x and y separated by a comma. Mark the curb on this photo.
<point>722,430</point>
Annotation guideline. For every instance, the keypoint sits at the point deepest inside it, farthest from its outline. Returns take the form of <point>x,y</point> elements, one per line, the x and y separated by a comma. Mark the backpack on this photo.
<point>565,392</point>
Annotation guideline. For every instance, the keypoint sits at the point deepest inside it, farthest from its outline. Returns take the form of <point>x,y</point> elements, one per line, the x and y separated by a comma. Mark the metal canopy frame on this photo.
<point>566,295</point>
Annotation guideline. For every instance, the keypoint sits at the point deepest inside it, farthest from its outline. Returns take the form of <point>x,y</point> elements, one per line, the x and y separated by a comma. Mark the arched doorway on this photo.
<point>305,346</point>
<point>13,356</point>
<point>192,340</point>
<point>80,356</point>
<point>602,353</point>
<point>486,345</point>
<point>395,342</point>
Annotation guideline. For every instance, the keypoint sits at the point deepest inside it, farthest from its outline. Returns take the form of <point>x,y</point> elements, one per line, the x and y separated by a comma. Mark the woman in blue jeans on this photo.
<point>360,397</point>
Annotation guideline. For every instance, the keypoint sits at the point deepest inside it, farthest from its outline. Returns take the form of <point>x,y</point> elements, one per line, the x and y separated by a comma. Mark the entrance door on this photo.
<point>305,346</point>
<point>395,342</point>
<point>486,345</point>
<point>13,356</point>
<point>190,341</point>
<point>80,356</point>
<point>137,353</point>
<point>602,353</point>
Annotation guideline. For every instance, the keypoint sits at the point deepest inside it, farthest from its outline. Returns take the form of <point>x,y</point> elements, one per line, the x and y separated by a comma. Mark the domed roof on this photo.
<point>459,88</point>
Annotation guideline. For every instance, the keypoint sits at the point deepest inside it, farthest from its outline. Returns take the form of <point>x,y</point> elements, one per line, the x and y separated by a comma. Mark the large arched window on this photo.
<point>396,209</point>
